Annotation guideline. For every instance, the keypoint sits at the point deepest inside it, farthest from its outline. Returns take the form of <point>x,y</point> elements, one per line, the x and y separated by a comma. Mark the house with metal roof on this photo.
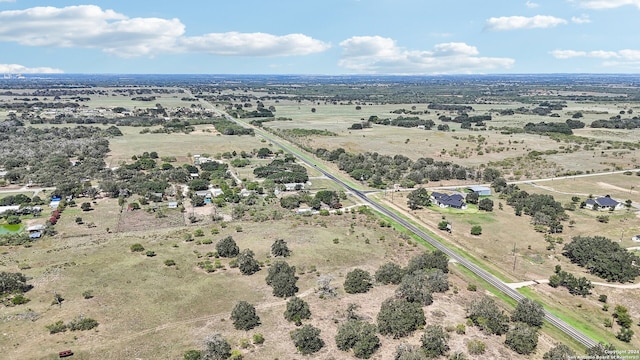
<point>603,203</point>
<point>455,201</point>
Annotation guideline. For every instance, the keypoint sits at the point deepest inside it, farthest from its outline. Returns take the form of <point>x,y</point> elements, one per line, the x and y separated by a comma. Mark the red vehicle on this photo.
<point>64,354</point>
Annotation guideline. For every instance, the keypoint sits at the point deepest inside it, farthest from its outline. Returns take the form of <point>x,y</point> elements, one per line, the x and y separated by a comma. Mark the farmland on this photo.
<point>164,300</point>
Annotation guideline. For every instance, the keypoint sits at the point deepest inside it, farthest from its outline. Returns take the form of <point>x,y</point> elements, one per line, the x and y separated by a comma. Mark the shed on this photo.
<point>480,190</point>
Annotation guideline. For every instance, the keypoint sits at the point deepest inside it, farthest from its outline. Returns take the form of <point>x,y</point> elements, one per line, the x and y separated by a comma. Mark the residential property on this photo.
<point>35,231</point>
<point>4,209</point>
<point>603,203</point>
<point>172,205</point>
<point>455,201</point>
<point>480,190</point>
<point>204,193</point>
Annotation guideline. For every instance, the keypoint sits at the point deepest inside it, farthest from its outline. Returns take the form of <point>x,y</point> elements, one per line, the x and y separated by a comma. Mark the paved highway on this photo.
<point>486,276</point>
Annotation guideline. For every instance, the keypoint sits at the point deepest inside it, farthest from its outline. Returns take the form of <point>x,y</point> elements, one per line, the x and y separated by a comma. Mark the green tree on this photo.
<point>472,197</point>
<point>216,348</point>
<point>297,310</point>
<point>86,206</point>
<point>434,341</point>
<point>559,352</point>
<point>476,230</point>
<point>244,316</point>
<point>13,283</point>
<point>485,314</point>
<point>485,204</point>
<point>358,281</point>
<point>280,248</point>
<point>427,261</point>
<point>418,198</point>
<point>625,334</point>
<point>522,338</point>
<point>282,279</point>
<point>227,247</point>
<point>601,350</point>
<point>307,339</point>
<point>399,318</point>
<point>246,263</point>
<point>529,312</point>
<point>415,288</point>
<point>389,273</point>
<point>359,336</point>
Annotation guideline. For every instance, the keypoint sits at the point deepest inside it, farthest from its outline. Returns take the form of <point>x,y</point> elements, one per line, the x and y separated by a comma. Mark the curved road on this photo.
<point>486,276</point>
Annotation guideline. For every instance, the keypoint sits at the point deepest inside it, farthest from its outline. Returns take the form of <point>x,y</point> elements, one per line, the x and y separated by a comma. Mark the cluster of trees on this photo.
<point>402,121</point>
<point>449,107</point>
<point>328,197</point>
<point>228,127</point>
<point>548,127</point>
<point>617,123</point>
<point>543,209</point>
<point>43,156</point>
<point>522,335</point>
<point>379,170</point>
<point>576,286</point>
<point>603,257</point>
<point>283,171</point>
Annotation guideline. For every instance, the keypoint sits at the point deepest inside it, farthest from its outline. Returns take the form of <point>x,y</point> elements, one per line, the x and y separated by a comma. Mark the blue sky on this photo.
<point>320,36</point>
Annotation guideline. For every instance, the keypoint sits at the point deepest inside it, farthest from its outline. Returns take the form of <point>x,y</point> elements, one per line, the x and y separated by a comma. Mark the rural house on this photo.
<point>603,203</point>
<point>455,201</point>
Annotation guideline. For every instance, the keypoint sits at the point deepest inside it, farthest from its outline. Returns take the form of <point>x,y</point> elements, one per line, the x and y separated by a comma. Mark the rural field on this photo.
<point>134,244</point>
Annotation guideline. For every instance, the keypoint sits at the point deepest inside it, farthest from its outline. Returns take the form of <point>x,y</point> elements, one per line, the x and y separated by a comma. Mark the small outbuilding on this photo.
<point>480,190</point>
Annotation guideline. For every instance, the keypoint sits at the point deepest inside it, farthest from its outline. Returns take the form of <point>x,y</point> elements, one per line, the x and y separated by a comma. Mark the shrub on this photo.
<point>389,273</point>
<point>150,253</point>
<point>476,347</point>
<point>169,262</point>
<point>137,248</point>
<point>280,248</point>
<point>192,355</point>
<point>258,339</point>
<point>82,323</point>
<point>88,294</point>
<point>19,299</point>
<point>56,327</point>
<point>227,247</point>
<point>359,336</point>
<point>307,339</point>
<point>399,318</point>
<point>358,281</point>
<point>216,348</point>
<point>247,264</point>
<point>522,338</point>
<point>244,316</point>
<point>282,279</point>
<point>476,230</point>
<point>297,310</point>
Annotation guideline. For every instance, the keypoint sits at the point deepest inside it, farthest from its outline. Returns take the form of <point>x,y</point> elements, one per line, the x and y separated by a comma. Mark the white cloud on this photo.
<point>582,19</point>
<point>626,54</point>
<point>607,4</point>
<point>89,26</point>
<point>253,44</point>
<point>532,5</point>
<point>20,69</point>
<point>522,22</point>
<point>380,55</point>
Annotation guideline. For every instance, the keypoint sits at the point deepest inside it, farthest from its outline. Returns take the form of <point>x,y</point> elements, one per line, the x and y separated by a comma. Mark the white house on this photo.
<point>603,203</point>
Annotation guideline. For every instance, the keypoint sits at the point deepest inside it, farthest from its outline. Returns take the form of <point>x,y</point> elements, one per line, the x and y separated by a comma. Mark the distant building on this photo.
<point>603,203</point>
<point>4,209</point>
<point>480,190</point>
<point>293,186</point>
<point>172,204</point>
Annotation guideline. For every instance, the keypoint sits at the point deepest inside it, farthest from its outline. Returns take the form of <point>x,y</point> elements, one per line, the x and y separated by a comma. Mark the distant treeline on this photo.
<point>633,123</point>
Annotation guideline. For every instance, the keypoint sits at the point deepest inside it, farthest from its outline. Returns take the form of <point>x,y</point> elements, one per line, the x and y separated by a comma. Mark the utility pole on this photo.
<point>514,257</point>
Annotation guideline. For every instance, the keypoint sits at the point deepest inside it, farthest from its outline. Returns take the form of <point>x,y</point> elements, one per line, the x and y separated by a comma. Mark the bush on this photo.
<point>150,253</point>
<point>282,279</point>
<point>399,318</point>
<point>434,341</point>
<point>476,347</point>
<point>389,273</point>
<point>485,314</point>
<point>476,230</point>
<point>137,248</point>
<point>56,327</point>
<point>359,336</point>
<point>247,264</point>
<point>485,204</point>
<point>13,282</point>
<point>169,262</point>
<point>307,339</point>
<point>244,316</point>
<point>227,247</point>
<point>88,294</point>
<point>216,348</point>
<point>415,288</point>
<point>258,339</point>
<point>192,355</point>
<point>82,323</point>
<point>280,248</point>
<point>358,281</point>
<point>528,312</point>
<point>19,299</point>
<point>559,352</point>
<point>522,338</point>
<point>297,310</point>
